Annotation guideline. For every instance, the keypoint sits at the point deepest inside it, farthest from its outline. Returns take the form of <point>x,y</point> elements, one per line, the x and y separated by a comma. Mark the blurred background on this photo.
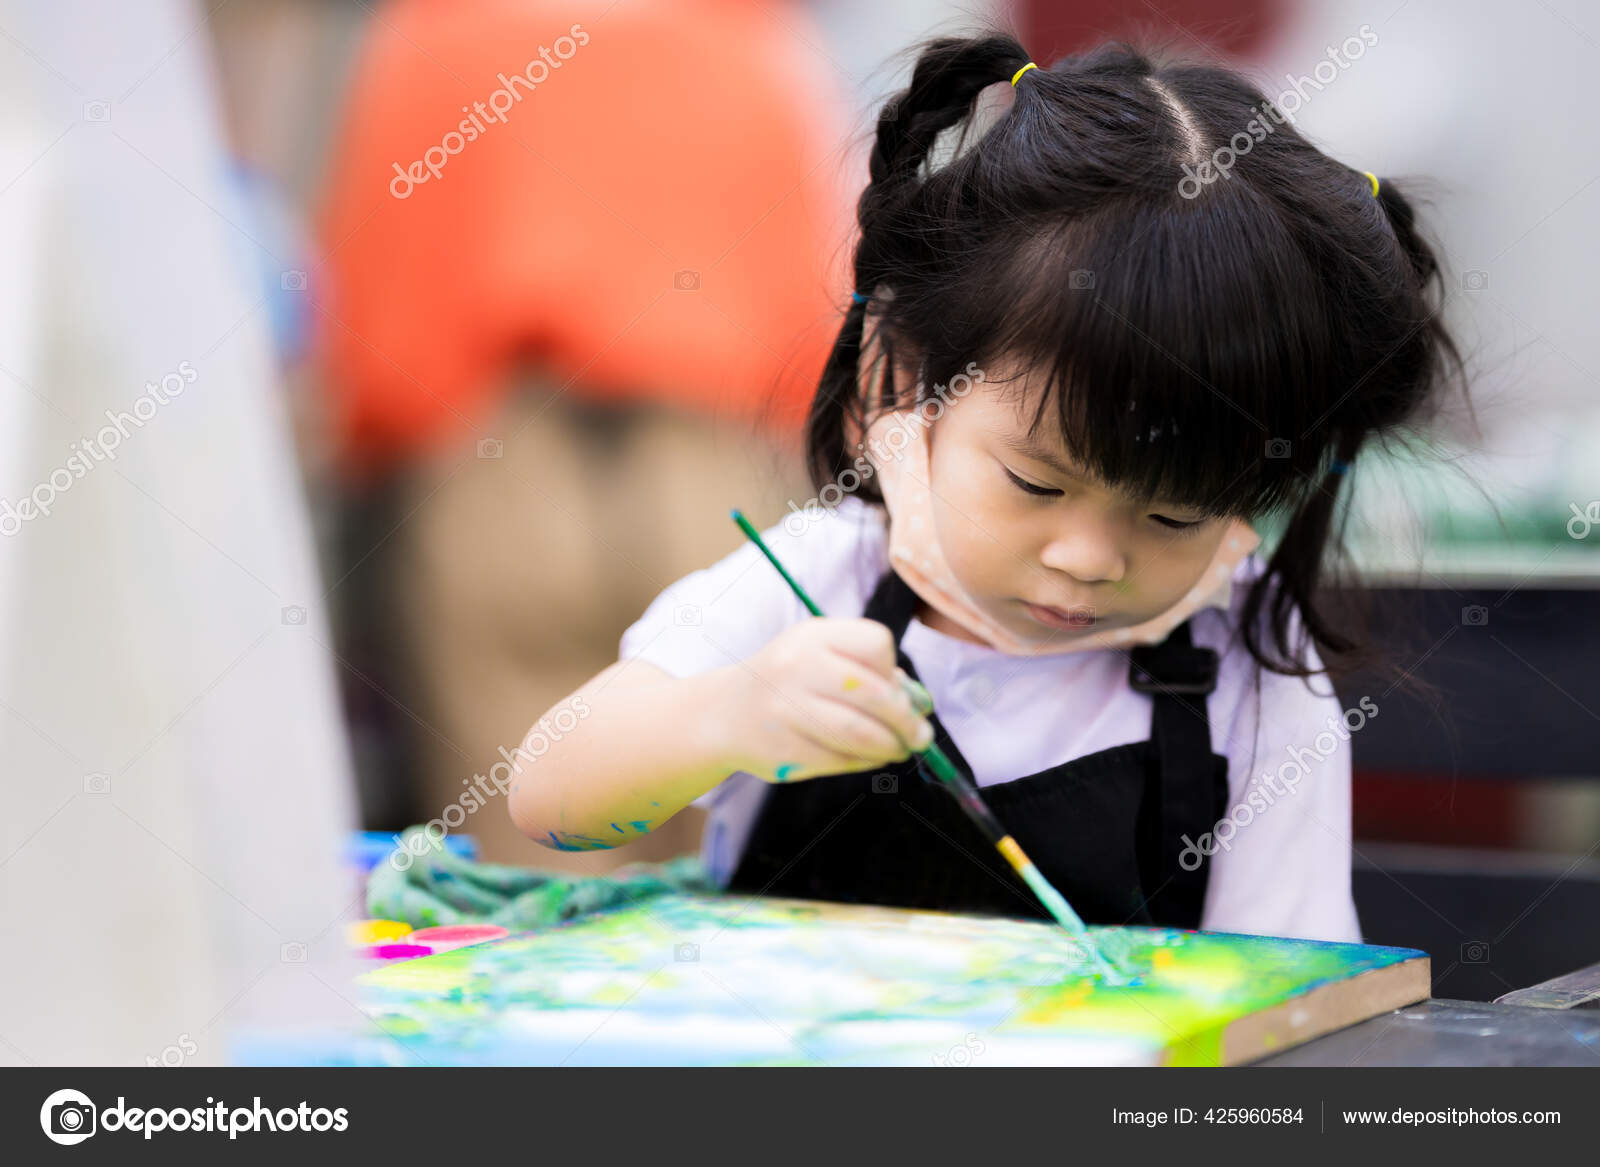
<point>368,367</point>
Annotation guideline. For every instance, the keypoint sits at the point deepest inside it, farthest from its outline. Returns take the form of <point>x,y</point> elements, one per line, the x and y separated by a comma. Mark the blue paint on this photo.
<point>618,829</point>
<point>570,842</point>
<point>640,824</point>
<point>782,774</point>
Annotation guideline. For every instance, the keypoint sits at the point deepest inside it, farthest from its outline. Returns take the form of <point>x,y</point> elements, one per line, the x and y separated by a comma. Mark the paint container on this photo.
<point>364,933</point>
<point>388,952</point>
<point>448,936</point>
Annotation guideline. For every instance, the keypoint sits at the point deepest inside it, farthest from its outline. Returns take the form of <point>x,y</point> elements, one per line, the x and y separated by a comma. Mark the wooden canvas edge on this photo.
<point>1328,1007</point>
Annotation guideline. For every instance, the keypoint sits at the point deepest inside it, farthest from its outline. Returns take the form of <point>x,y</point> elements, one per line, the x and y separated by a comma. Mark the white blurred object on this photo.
<point>176,779</point>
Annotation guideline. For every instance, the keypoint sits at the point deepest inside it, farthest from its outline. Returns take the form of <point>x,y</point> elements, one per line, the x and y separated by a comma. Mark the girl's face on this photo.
<point>1047,552</point>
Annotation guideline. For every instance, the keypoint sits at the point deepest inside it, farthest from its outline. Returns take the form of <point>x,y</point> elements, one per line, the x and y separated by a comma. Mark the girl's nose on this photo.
<point>1087,552</point>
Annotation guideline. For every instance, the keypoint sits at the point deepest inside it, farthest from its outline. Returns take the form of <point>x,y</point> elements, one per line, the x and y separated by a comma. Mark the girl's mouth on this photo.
<point>1062,618</point>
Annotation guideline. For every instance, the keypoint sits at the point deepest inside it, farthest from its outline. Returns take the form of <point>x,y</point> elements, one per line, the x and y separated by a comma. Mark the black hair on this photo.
<point>1226,315</point>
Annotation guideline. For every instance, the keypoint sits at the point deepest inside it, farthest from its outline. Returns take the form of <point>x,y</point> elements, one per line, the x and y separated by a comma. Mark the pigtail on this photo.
<point>1294,585</point>
<point>1303,575</point>
<point>946,81</point>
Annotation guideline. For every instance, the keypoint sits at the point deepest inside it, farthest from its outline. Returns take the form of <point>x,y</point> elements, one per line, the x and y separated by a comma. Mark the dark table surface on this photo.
<point>1554,1023</point>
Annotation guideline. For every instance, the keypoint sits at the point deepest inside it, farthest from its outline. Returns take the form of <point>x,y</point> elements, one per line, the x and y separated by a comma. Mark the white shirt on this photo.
<point>1279,867</point>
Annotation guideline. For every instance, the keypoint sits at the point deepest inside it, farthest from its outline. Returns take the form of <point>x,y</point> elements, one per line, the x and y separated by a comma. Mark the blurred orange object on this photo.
<point>655,208</point>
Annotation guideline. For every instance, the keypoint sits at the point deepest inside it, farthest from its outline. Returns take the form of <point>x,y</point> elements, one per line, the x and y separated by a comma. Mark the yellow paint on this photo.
<point>1162,959</point>
<point>360,933</point>
<point>852,683</point>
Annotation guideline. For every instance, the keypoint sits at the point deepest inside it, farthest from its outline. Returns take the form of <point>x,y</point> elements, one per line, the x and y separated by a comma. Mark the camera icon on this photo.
<point>97,784</point>
<point>294,952</point>
<point>293,281</point>
<point>97,111</point>
<point>1080,280</point>
<point>1278,448</point>
<point>686,615</point>
<point>686,280</point>
<point>1475,614</point>
<point>685,953</point>
<point>294,614</point>
<point>68,1117</point>
<point>1475,281</point>
<point>885,784</point>
<point>1474,952</point>
<point>491,448</point>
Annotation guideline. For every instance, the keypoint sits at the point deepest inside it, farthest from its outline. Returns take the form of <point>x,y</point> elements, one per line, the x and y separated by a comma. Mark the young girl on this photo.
<point>1107,313</point>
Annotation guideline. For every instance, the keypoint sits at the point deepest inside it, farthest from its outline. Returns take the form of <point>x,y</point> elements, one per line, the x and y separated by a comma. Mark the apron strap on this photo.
<point>893,603</point>
<point>1188,793</point>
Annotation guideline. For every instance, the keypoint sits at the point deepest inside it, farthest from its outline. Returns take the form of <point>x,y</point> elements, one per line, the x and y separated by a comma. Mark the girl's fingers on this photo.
<point>865,642</point>
<point>887,700</point>
<point>814,758</point>
<point>844,729</point>
<point>847,729</point>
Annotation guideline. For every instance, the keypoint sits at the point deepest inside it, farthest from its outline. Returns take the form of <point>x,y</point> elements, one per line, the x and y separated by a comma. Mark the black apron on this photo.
<point>1106,829</point>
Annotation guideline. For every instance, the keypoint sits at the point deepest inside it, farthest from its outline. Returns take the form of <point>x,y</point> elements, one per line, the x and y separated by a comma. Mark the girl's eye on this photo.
<point>1178,524</point>
<point>1030,487</point>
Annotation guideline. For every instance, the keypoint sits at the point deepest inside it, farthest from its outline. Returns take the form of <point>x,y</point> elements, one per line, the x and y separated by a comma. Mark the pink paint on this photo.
<point>448,936</point>
<point>396,951</point>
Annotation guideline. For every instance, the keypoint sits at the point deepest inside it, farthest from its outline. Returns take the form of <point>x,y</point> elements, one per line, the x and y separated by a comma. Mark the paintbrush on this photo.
<point>964,791</point>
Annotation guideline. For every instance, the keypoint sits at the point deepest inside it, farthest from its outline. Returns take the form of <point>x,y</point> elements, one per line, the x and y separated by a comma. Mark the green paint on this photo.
<point>776,981</point>
<point>781,774</point>
<point>1055,903</point>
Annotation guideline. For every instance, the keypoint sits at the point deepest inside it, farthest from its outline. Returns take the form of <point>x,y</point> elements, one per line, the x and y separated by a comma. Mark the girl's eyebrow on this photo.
<point>1030,447</point>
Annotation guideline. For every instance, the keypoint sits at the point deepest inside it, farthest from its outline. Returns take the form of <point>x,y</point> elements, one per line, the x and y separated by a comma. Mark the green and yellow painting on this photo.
<point>726,980</point>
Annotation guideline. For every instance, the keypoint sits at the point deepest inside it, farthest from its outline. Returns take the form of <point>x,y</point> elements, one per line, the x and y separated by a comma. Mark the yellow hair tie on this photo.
<point>1374,178</point>
<point>1018,74</point>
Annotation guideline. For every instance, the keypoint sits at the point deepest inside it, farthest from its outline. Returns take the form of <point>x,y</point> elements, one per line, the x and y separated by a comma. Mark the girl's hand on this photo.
<point>826,697</point>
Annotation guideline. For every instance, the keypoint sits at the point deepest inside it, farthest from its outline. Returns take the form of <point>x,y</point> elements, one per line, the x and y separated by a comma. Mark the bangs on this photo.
<point>1177,355</point>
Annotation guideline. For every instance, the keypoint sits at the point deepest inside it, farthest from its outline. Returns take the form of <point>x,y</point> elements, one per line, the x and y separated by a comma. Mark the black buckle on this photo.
<point>1189,670</point>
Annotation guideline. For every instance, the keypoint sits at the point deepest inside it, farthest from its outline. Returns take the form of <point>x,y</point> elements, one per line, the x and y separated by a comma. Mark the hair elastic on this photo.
<point>1338,467</point>
<point>1015,77</point>
<point>1374,178</point>
<point>859,298</point>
